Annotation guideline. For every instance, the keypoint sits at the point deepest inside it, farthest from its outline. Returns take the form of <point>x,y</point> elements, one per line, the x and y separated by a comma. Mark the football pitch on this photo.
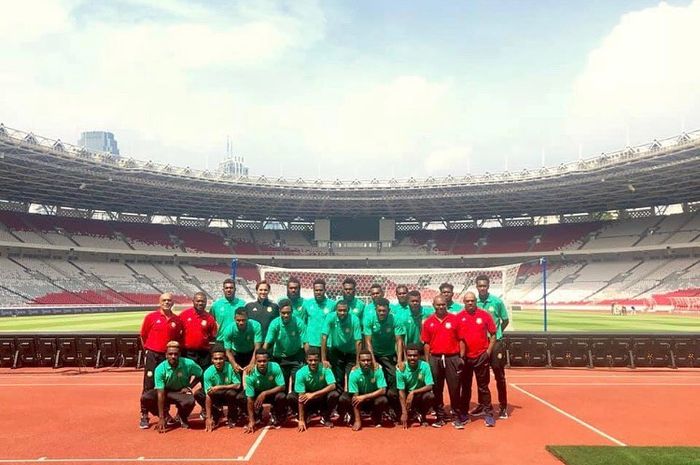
<point>523,320</point>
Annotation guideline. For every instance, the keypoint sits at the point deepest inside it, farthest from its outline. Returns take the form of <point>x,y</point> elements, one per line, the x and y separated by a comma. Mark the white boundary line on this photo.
<point>571,417</point>
<point>241,458</point>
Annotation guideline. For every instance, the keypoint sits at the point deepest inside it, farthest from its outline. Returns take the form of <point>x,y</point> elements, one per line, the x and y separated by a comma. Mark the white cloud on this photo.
<point>642,81</point>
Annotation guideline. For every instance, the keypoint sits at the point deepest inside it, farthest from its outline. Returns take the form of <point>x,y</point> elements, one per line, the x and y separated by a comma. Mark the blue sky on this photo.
<point>361,89</point>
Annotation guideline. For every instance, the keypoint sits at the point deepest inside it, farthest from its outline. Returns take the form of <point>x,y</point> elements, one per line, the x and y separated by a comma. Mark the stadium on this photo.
<point>597,261</point>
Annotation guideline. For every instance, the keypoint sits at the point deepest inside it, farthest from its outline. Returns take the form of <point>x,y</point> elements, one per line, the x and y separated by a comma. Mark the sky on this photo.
<point>358,89</point>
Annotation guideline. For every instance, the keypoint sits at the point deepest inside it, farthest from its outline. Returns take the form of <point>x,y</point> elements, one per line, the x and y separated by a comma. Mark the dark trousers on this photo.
<point>498,366</point>
<point>184,402</point>
<point>341,364</point>
<point>323,404</point>
<point>150,362</point>
<point>376,406</point>
<point>478,368</point>
<point>422,402</point>
<point>243,358</point>
<point>446,368</point>
<point>290,365</point>
<point>279,405</point>
<point>200,357</point>
<point>234,400</point>
<point>388,364</point>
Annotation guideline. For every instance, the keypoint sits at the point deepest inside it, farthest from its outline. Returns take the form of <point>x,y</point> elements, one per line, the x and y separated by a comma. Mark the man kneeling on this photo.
<point>174,379</point>
<point>265,383</point>
<point>314,390</point>
<point>366,391</point>
<point>415,385</point>
<point>221,388</point>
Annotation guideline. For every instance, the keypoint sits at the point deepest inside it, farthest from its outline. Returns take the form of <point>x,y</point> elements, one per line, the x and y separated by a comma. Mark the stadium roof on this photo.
<point>44,171</point>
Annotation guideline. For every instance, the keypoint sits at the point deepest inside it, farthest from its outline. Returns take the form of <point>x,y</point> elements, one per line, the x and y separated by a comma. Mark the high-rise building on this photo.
<point>233,165</point>
<point>99,141</point>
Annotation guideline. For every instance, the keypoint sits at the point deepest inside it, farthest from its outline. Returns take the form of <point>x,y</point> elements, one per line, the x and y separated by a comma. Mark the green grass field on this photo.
<point>604,455</point>
<point>523,320</point>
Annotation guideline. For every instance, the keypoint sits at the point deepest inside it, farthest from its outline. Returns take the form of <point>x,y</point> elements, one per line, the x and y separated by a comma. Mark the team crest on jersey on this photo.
<point>157,322</point>
<point>448,325</point>
<point>388,330</point>
<point>325,310</point>
<point>179,373</point>
<point>347,330</point>
<point>189,319</point>
<point>204,322</point>
<point>322,377</point>
<point>269,309</point>
<point>479,321</point>
<point>293,333</point>
<point>270,378</point>
<point>420,376</point>
<point>499,355</point>
<point>373,380</point>
<point>149,374</point>
<point>226,379</point>
<point>172,324</point>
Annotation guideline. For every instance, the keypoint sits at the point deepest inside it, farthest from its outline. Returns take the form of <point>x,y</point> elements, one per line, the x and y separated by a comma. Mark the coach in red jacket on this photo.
<point>158,328</point>
<point>477,337</point>
<point>200,329</point>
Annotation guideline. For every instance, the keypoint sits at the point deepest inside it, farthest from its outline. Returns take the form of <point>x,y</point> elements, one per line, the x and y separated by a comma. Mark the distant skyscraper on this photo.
<point>99,141</point>
<point>233,164</point>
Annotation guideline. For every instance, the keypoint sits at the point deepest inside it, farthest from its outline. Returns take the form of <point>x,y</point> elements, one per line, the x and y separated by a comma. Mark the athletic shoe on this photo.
<point>489,421</point>
<point>184,424</point>
<point>464,418</point>
<point>326,422</point>
<point>458,424</point>
<point>503,413</point>
<point>170,421</point>
<point>438,423</point>
<point>478,411</point>
<point>203,415</point>
<point>274,422</point>
<point>144,422</point>
<point>231,423</point>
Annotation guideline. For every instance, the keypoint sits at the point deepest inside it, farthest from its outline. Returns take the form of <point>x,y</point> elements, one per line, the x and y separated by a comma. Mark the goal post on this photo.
<point>425,280</point>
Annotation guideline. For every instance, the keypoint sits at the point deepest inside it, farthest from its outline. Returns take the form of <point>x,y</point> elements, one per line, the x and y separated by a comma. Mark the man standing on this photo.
<point>477,336</point>
<point>341,341</point>
<point>286,337</point>
<point>315,311</point>
<point>497,309</point>
<point>447,291</point>
<point>158,328</point>
<point>199,330</point>
<point>262,310</point>
<point>173,381</point>
<point>413,319</point>
<point>294,296</point>
<point>384,339</point>
<point>355,306</point>
<point>366,391</point>
<point>415,386</point>
<point>441,341</point>
<point>241,340</point>
<point>221,387</point>
<point>224,308</point>
<point>314,390</point>
<point>265,383</point>
<point>375,292</point>
<point>400,307</point>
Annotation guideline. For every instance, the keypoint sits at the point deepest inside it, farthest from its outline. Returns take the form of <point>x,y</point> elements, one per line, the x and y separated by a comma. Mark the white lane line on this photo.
<point>570,416</point>
<point>245,458</point>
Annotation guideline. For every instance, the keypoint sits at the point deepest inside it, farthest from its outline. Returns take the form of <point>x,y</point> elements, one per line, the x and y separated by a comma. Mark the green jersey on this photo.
<point>412,379</point>
<point>213,377</point>
<point>454,307</point>
<point>309,381</point>
<point>383,333</point>
<point>412,324</point>
<point>399,310</point>
<point>288,339</point>
<point>497,309</point>
<point>243,340</point>
<point>176,378</point>
<point>342,334</point>
<point>257,382</point>
<point>223,310</point>
<point>315,316</point>
<point>364,382</point>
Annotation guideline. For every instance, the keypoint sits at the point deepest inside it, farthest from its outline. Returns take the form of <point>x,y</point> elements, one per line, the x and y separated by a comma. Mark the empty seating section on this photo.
<point>146,236</point>
<point>563,236</point>
<point>197,240</point>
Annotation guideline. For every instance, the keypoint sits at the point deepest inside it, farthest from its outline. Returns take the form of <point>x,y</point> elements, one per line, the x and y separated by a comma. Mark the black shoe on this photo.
<point>170,421</point>
<point>144,422</point>
<point>503,413</point>
<point>478,411</point>
<point>184,424</point>
<point>231,422</point>
<point>274,422</point>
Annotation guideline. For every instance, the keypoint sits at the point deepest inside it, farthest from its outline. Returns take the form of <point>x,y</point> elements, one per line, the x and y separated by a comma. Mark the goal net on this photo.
<point>425,280</point>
